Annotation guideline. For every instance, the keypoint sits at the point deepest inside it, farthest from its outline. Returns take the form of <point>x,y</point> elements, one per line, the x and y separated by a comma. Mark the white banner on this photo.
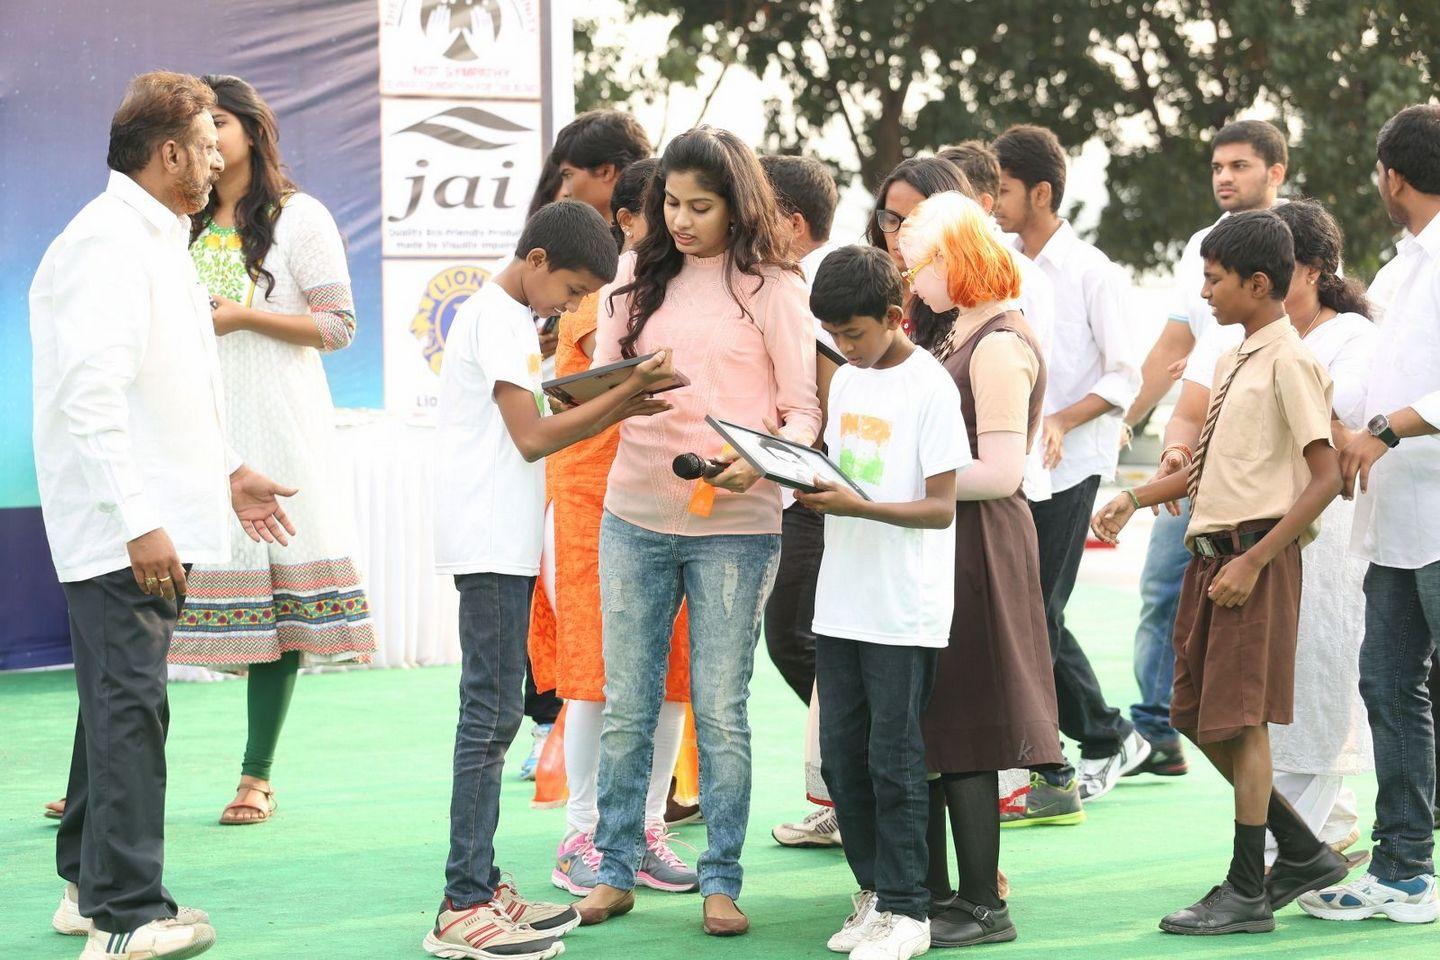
<point>456,176</point>
<point>468,48</point>
<point>421,297</point>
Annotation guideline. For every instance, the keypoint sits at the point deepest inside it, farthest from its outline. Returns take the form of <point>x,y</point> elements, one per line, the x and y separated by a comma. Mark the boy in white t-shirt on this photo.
<point>490,490</point>
<point>886,592</point>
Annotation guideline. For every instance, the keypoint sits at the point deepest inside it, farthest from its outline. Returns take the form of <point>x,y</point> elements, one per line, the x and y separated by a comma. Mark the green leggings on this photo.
<point>268,699</point>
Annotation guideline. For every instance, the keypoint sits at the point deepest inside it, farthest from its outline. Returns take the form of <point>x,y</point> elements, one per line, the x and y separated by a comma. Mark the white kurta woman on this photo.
<point>1329,738</point>
<point>274,264</point>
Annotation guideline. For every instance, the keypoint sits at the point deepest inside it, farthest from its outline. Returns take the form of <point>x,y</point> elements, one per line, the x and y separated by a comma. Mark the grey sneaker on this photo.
<point>661,868</point>
<point>1045,804</point>
<point>577,864</point>
<point>1098,777</point>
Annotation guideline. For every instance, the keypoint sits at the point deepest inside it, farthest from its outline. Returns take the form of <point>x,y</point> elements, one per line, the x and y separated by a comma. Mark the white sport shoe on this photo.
<point>1367,897</point>
<point>486,932</point>
<point>818,829</point>
<point>856,925</point>
<point>1098,777</point>
<point>159,938</point>
<point>69,921</point>
<point>893,937</point>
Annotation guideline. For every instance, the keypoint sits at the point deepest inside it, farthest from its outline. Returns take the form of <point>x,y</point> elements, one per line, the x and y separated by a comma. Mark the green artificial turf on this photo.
<point>352,865</point>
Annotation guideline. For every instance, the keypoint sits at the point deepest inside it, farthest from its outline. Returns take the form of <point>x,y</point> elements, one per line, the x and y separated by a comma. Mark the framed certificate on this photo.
<point>783,461</point>
<point>589,384</point>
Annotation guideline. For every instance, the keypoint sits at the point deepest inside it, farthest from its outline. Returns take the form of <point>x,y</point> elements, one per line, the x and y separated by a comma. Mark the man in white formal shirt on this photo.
<point>1394,467</point>
<point>1093,377</point>
<point>132,467</point>
<point>1248,160</point>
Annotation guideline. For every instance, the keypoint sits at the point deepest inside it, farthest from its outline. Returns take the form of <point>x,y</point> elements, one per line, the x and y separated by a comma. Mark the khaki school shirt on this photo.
<point>1278,404</point>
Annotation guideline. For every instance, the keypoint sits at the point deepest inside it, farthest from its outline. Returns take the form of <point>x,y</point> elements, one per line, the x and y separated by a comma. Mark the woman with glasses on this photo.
<point>994,704</point>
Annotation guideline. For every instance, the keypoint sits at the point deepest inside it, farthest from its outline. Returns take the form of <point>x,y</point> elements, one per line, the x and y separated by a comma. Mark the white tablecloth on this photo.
<point>391,463</point>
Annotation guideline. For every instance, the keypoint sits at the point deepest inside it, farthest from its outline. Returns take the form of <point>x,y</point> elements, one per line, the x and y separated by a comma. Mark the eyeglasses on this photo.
<point>909,275</point>
<point>888,220</point>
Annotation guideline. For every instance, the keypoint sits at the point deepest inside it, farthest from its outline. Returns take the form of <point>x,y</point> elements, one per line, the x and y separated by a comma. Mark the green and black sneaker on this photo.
<point>1047,805</point>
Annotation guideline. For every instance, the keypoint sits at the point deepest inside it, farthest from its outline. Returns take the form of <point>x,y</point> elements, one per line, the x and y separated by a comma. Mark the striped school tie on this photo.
<point>1192,481</point>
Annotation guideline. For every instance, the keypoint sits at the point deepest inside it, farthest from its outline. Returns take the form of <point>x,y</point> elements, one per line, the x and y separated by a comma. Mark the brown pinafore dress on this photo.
<point>993,705</point>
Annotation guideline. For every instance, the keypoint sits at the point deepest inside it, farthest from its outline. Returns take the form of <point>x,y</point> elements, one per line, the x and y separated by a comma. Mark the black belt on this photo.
<point>1228,543</point>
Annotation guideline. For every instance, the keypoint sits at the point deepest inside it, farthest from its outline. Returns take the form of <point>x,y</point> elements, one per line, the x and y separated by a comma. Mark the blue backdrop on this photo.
<point>63,69</point>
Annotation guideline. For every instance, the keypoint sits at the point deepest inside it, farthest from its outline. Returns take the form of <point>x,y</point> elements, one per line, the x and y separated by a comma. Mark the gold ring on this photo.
<point>164,579</point>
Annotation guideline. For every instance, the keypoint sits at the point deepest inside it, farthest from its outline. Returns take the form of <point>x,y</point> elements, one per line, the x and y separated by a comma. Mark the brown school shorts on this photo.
<point>1235,667</point>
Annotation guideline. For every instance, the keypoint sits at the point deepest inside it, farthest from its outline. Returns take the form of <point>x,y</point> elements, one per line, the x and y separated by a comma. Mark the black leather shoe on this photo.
<point>962,924</point>
<point>1222,910</point>
<point>1288,879</point>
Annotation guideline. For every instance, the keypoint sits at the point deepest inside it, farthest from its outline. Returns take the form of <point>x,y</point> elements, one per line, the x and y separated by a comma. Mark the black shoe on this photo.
<point>1222,910</point>
<point>961,923</point>
<point>1165,760</point>
<point>1288,879</point>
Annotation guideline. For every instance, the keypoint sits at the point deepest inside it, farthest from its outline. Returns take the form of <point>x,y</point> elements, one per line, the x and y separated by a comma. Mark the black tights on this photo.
<point>973,802</point>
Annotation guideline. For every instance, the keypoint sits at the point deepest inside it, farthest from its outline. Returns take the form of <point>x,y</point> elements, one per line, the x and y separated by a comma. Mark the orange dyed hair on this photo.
<point>978,269</point>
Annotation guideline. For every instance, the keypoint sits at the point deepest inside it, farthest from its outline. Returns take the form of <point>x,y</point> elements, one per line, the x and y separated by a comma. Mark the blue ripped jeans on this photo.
<point>643,577</point>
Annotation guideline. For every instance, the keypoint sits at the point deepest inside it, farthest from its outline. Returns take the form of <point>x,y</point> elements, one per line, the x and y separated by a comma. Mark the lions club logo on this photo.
<point>443,295</point>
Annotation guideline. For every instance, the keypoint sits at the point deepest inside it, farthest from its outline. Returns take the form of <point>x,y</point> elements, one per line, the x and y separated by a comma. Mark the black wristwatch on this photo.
<point>1379,426</point>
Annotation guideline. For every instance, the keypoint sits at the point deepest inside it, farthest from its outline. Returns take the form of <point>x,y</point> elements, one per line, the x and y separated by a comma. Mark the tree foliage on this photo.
<point>1152,79</point>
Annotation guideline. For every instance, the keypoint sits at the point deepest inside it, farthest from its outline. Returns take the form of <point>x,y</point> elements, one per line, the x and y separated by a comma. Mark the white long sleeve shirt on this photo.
<point>1094,350</point>
<point>128,398</point>
<point>1396,522</point>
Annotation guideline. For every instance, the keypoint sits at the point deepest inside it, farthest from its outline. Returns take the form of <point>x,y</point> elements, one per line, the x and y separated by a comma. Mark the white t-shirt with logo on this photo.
<point>489,503</point>
<point>889,430</point>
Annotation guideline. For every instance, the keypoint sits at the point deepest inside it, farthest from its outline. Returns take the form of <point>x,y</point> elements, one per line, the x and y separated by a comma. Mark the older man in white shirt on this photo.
<point>132,466</point>
<point>1394,466</point>
<point>1093,377</point>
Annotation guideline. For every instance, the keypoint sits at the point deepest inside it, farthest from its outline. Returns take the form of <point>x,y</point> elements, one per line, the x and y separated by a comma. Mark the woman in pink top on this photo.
<point>715,287</point>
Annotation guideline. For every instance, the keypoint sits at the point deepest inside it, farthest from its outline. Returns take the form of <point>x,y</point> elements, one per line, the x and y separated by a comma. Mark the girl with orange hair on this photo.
<point>994,702</point>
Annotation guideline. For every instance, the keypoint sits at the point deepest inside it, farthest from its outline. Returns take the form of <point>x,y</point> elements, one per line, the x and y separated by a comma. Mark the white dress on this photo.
<point>307,596</point>
<point>1330,733</point>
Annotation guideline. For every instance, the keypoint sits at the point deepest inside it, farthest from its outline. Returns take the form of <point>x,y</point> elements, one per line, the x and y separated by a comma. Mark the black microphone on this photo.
<point>692,466</point>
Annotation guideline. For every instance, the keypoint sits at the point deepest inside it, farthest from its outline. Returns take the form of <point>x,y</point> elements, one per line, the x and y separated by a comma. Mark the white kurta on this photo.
<point>1330,733</point>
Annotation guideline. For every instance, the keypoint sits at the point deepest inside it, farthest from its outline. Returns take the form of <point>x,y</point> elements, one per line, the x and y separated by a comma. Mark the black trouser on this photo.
<point>1060,525</point>
<point>791,608</point>
<point>112,838</point>
<point>540,707</point>
<point>1434,685</point>
<point>872,696</point>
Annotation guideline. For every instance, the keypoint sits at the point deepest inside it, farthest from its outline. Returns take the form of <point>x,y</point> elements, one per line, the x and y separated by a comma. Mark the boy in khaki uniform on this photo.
<point>1260,476</point>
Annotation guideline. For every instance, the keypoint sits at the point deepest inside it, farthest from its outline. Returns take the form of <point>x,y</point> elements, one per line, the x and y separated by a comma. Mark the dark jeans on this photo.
<point>1165,561</point>
<point>791,608</point>
<point>1402,622</point>
<point>875,694</point>
<point>112,839</point>
<point>1060,526</point>
<point>494,625</point>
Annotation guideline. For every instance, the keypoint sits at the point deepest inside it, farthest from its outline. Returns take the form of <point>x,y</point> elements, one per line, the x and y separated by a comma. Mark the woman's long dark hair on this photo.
<point>629,193</point>
<point>726,166</point>
<point>1318,243</point>
<point>257,211</point>
<point>548,187</point>
<point>929,176</point>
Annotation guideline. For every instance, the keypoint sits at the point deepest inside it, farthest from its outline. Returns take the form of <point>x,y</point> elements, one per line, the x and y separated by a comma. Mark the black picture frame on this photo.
<point>760,450</point>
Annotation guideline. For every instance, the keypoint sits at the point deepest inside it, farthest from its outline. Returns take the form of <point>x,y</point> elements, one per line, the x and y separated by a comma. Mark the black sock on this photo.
<point>974,802</point>
<point>1247,866</point>
<point>1297,844</point>
<point>937,876</point>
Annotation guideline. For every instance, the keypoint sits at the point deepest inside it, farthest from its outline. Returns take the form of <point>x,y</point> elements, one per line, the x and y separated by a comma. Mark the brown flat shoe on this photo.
<point>592,912</point>
<point>724,926</point>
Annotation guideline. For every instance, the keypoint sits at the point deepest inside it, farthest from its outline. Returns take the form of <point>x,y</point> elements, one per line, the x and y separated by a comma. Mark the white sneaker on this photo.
<point>158,938</point>
<point>69,921</point>
<point>1368,897</point>
<point>487,932</point>
<point>1098,777</point>
<point>818,829</point>
<point>856,925</point>
<point>893,937</point>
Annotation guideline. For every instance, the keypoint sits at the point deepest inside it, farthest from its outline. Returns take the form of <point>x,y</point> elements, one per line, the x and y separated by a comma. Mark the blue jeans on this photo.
<point>494,625</point>
<point>1160,578</point>
<point>643,577</point>
<point>872,696</point>
<point>1402,622</point>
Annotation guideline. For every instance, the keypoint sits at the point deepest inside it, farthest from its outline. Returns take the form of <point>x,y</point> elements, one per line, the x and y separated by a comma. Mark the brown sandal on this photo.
<point>228,818</point>
<point>55,809</point>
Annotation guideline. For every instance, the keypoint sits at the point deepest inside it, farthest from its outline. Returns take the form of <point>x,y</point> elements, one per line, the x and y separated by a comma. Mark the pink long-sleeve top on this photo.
<point>741,369</point>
